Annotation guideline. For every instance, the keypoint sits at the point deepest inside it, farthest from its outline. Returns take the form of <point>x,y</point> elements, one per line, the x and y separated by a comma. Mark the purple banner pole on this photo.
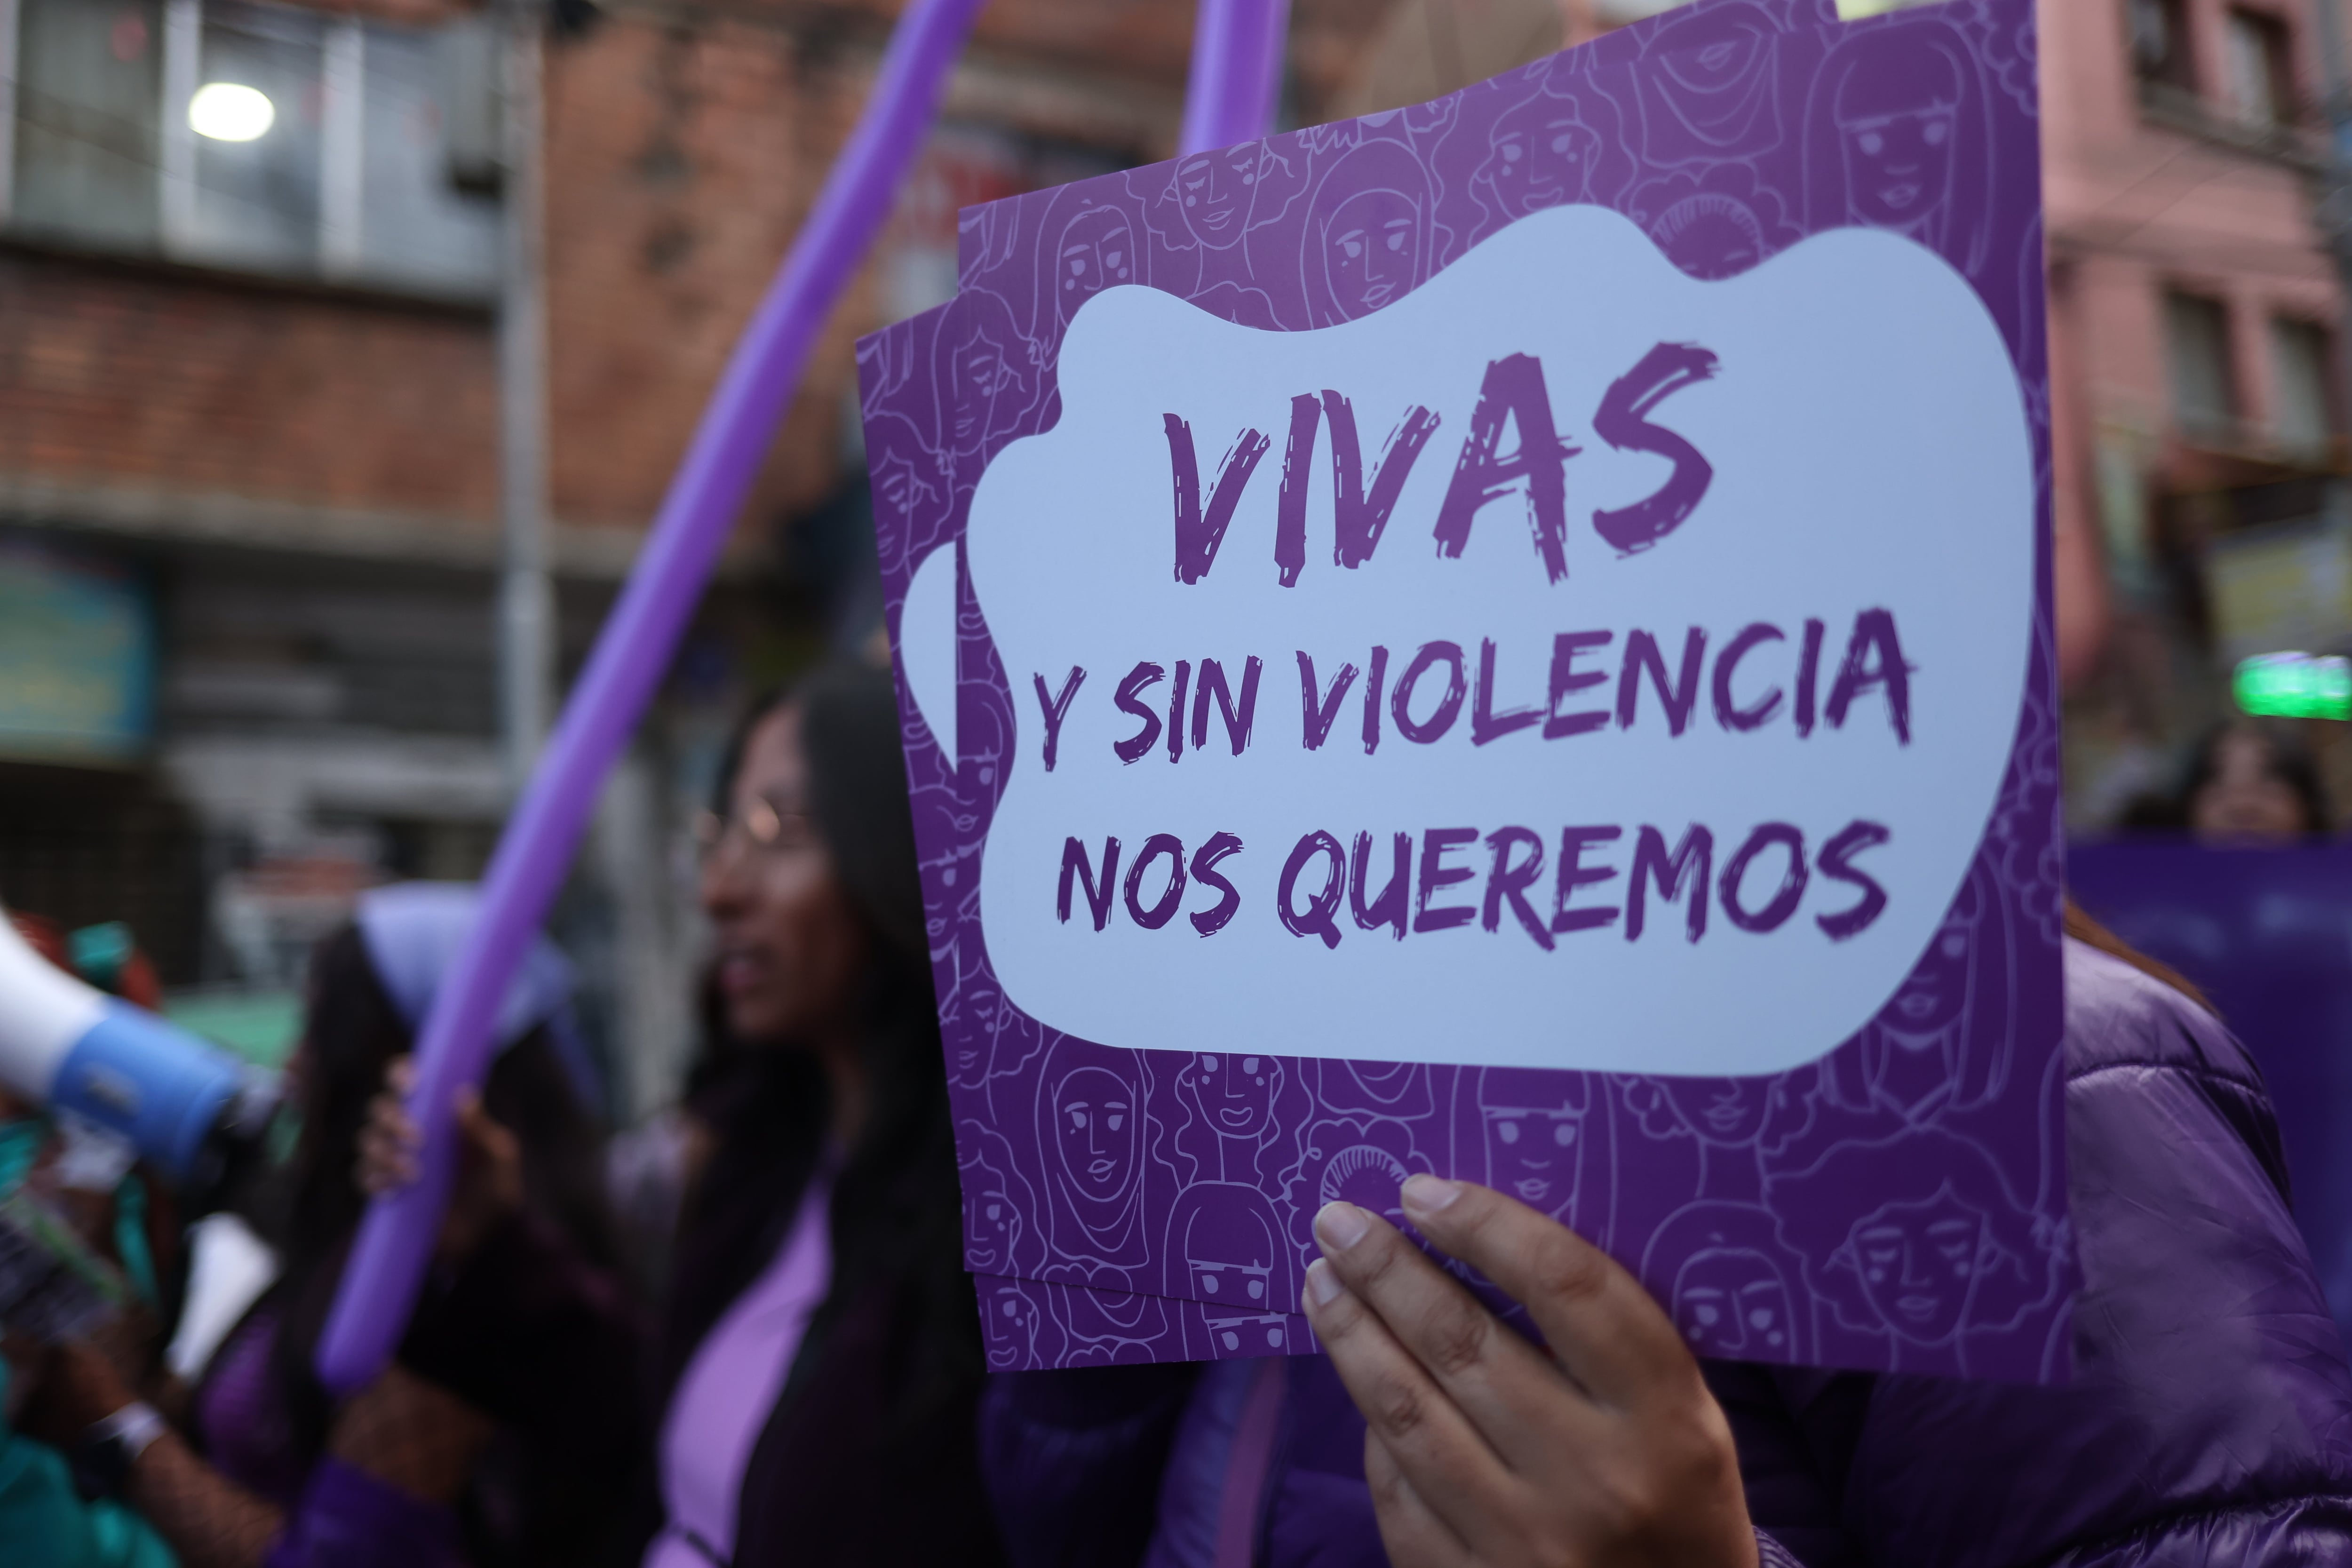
<point>1236,80</point>
<point>1236,68</point>
<point>387,1264</point>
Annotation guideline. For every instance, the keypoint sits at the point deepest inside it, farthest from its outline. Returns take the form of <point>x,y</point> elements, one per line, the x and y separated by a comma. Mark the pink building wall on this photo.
<point>2149,192</point>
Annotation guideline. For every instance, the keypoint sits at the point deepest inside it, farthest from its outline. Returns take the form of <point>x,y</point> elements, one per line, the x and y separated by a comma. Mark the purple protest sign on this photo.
<point>1510,638</point>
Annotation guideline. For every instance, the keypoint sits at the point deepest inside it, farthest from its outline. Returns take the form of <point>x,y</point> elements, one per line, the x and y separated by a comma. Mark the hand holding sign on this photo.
<point>1482,1448</point>
<point>1520,623</point>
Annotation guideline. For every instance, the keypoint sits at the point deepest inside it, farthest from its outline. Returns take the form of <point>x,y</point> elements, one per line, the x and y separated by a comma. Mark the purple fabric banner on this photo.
<point>1890,1193</point>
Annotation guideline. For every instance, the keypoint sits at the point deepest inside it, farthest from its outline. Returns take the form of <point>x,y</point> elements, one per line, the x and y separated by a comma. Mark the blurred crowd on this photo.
<point>742,1334</point>
<point>619,1337</point>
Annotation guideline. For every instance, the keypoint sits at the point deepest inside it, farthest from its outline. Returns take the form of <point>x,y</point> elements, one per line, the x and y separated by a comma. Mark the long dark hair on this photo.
<point>351,1036</point>
<point>896,1214</point>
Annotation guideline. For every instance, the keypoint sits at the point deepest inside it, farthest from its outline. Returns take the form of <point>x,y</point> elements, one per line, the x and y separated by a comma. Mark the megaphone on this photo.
<point>187,1105</point>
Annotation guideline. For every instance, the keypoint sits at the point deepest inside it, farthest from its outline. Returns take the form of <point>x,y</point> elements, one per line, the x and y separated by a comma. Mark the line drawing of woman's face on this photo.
<point>1011,1321</point>
<point>1731,1301</point>
<point>1899,166</point>
<point>1919,1264</point>
<point>1719,86</point>
<point>978,372</point>
<point>1371,250</point>
<point>1932,999</point>
<point>1217,190</point>
<point>1382,1083</point>
<point>1097,251</point>
<point>1231,1267</point>
<point>1095,1118</point>
<point>1540,157</point>
<point>1236,1093</point>
<point>1897,113</point>
<point>900,486</point>
<point>992,1222</point>
<point>1533,1131</point>
<point>1721,1110</point>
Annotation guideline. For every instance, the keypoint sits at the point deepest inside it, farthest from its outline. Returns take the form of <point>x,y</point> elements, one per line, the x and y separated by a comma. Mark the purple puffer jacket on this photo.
<point>2209,1420</point>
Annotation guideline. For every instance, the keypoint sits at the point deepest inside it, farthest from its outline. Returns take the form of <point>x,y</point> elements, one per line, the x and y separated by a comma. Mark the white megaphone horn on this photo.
<point>183,1103</point>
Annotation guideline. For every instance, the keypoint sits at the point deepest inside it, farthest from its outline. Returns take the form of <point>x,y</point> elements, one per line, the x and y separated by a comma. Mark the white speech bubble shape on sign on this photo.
<point>1869,450</point>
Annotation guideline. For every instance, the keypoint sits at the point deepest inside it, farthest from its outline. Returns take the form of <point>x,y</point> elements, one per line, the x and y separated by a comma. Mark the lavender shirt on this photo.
<point>729,1387</point>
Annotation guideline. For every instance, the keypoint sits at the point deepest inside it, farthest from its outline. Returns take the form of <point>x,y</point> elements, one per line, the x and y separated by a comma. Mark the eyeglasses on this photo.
<point>764,826</point>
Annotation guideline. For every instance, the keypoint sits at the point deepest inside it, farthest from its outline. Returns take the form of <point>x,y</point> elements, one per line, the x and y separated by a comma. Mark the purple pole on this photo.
<point>1236,68</point>
<point>387,1264</point>
<point>1237,52</point>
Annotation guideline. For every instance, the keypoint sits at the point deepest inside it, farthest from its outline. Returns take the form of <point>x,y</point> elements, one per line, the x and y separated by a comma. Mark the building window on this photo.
<point>2204,389</point>
<point>2160,40</point>
<point>2261,72</point>
<point>89,92</point>
<point>255,136</point>
<point>2303,357</point>
<point>255,132</point>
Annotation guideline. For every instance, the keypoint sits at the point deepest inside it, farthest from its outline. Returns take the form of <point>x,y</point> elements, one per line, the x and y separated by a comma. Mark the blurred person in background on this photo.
<point>2247,782</point>
<point>2253,784</point>
<point>821,1362</point>
<point>510,1427</point>
<point>821,1359</point>
<point>90,1181</point>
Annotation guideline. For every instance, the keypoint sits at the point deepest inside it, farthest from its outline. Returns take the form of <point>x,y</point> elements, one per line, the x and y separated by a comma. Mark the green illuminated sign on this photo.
<point>2296,686</point>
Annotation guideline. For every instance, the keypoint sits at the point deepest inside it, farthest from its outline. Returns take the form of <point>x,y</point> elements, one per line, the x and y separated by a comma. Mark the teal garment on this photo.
<point>43,1519</point>
<point>20,1146</point>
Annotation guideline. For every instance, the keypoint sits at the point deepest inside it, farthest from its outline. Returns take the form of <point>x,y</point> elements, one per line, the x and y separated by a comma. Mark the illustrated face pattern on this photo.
<point>1233,1268</point>
<point>1217,191</point>
<point>1008,1323</point>
<point>1899,142</point>
<point>989,1223</point>
<point>1919,1264</point>
<point>1238,1093</point>
<point>1937,993</point>
<point>1533,1126</point>
<point>1371,250</point>
<point>1722,1110</point>
<point>1715,82</point>
<point>1729,130</point>
<point>1541,156</point>
<point>1097,250</point>
<point>1732,1302</point>
<point>1101,1123</point>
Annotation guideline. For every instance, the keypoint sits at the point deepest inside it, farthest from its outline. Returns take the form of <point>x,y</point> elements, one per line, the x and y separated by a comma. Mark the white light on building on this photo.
<point>229,111</point>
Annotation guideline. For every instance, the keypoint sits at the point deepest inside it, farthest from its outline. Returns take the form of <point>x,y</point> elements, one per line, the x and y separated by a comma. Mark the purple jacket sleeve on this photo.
<point>1073,1460</point>
<point>2209,1420</point>
<point>348,1518</point>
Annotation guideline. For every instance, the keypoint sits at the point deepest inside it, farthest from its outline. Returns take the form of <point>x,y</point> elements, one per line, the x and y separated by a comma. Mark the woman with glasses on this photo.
<point>820,1362</point>
<point>821,1358</point>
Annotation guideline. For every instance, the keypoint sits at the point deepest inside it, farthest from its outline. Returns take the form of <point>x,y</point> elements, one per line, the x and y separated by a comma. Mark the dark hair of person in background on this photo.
<point>2246,782</point>
<point>352,1034</point>
<point>868,1453</point>
<point>2089,932</point>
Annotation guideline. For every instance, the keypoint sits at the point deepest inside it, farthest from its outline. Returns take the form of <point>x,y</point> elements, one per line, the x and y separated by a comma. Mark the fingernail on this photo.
<point>1427,1194</point>
<point>1323,1285</point>
<point>1340,1225</point>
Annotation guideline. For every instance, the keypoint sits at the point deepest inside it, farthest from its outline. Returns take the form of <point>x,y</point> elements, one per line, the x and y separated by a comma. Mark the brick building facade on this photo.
<point>249,394</point>
<point>249,410</point>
